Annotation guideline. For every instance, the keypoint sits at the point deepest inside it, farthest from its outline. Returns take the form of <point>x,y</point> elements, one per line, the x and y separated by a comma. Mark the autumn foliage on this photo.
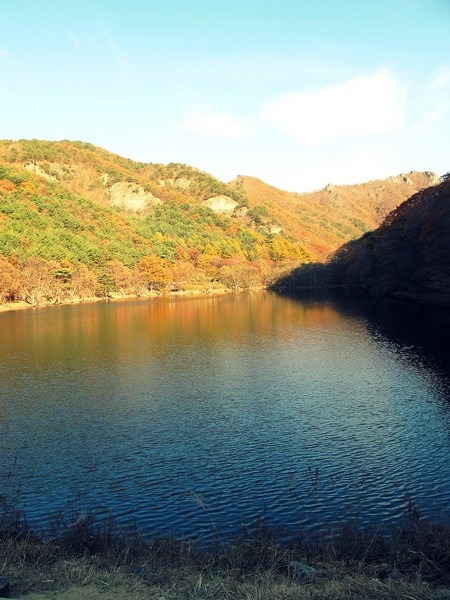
<point>63,238</point>
<point>60,243</point>
<point>408,256</point>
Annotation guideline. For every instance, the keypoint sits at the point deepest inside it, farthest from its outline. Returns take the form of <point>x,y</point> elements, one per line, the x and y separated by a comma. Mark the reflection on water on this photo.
<point>304,410</point>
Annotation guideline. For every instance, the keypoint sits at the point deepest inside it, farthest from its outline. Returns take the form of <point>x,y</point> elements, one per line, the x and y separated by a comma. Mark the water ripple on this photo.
<point>298,413</point>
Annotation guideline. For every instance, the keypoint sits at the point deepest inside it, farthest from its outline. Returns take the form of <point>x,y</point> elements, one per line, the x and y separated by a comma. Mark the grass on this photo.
<point>411,562</point>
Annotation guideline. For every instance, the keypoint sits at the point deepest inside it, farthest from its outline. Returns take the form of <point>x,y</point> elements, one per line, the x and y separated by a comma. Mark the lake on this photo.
<point>188,416</point>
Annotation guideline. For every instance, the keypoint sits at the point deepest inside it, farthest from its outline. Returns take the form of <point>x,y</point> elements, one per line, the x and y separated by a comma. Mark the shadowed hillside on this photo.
<point>408,256</point>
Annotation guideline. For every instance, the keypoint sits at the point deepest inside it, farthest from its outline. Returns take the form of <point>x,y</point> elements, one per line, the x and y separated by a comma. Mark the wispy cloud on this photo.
<point>362,106</point>
<point>432,107</point>
<point>441,80</point>
<point>224,125</point>
<point>75,40</point>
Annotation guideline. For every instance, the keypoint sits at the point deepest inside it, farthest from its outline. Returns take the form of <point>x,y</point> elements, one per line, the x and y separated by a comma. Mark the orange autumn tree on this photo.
<point>9,280</point>
<point>156,271</point>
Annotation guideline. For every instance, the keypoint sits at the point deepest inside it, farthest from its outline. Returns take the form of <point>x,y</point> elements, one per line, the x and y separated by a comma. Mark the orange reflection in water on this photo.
<point>80,335</point>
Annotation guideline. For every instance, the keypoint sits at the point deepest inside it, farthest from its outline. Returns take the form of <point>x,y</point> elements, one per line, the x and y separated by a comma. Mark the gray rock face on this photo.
<point>131,196</point>
<point>222,204</point>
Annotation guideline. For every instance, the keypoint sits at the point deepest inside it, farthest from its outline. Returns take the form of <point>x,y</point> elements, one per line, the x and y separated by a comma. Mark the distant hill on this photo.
<point>408,256</point>
<point>71,212</point>
<point>327,218</point>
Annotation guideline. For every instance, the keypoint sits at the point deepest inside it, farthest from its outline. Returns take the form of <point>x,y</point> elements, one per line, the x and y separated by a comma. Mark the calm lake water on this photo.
<point>176,414</point>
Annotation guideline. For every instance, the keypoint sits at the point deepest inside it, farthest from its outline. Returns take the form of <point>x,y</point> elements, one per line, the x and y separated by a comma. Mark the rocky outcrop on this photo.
<point>433,178</point>
<point>131,196</point>
<point>50,171</point>
<point>222,204</point>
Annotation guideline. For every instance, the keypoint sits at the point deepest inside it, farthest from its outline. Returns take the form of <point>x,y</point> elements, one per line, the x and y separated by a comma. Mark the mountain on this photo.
<point>408,256</point>
<point>325,219</point>
<point>77,219</point>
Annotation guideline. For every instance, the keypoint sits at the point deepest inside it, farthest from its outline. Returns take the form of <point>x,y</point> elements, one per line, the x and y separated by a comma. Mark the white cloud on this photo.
<point>363,106</point>
<point>313,168</point>
<point>75,40</point>
<point>440,81</point>
<point>431,107</point>
<point>223,125</point>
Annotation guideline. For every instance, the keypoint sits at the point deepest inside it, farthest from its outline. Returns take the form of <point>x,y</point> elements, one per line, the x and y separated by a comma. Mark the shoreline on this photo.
<point>87,559</point>
<point>20,305</point>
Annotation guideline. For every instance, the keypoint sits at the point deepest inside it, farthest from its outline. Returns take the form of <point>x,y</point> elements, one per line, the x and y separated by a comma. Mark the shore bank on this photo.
<point>89,559</point>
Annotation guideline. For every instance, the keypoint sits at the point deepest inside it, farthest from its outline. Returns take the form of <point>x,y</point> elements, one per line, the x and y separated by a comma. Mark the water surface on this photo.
<point>178,413</point>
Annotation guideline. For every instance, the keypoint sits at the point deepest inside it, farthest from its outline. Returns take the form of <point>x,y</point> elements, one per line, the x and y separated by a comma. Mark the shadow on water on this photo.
<point>422,330</point>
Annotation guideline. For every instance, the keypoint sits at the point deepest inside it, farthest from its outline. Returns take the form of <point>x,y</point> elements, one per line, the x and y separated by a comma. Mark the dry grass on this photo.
<point>83,577</point>
<point>90,559</point>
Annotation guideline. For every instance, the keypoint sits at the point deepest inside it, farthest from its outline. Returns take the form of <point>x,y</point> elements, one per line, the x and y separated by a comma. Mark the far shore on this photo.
<point>23,305</point>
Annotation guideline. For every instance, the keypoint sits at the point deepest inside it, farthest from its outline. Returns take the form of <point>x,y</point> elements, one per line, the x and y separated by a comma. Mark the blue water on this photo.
<point>191,416</point>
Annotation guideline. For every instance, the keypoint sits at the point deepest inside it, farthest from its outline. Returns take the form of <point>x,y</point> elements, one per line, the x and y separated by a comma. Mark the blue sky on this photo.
<point>297,93</point>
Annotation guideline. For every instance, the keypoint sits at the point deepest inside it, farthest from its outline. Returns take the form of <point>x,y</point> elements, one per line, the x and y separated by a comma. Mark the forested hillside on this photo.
<point>408,256</point>
<point>78,221</point>
<point>327,218</point>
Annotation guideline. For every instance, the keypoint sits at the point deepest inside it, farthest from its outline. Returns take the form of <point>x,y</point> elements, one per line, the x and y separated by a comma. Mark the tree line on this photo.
<point>38,282</point>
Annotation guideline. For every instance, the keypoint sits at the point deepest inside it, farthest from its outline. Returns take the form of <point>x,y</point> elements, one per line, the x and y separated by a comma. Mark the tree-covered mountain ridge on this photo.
<point>77,220</point>
<point>408,256</point>
<point>327,218</point>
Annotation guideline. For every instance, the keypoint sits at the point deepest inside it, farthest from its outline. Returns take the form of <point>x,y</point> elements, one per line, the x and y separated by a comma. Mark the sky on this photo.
<point>296,93</point>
